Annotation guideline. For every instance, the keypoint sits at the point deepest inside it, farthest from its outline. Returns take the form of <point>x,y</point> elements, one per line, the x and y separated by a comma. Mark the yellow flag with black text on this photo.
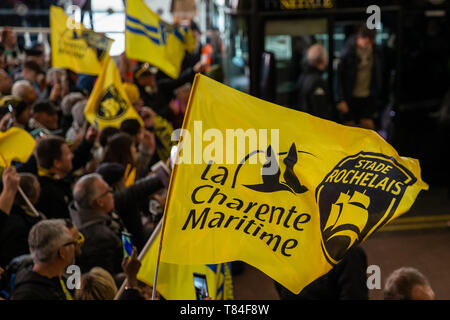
<point>177,281</point>
<point>284,191</point>
<point>15,145</point>
<point>148,38</point>
<point>108,104</point>
<point>74,47</point>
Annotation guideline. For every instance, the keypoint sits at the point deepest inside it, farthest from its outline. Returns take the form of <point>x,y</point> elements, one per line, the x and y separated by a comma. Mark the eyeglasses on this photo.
<point>110,190</point>
<point>78,241</point>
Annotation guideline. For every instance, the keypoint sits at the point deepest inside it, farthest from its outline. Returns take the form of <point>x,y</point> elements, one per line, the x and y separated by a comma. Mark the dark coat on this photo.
<point>30,285</point>
<point>348,70</point>
<point>160,100</point>
<point>102,246</point>
<point>14,234</point>
<point>313,94</point>
<point>55,197</point>
<point>346,281</point>
<point>127,203</point>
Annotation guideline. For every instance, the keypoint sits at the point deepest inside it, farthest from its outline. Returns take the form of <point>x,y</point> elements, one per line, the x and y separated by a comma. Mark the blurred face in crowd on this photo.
<point>37,186</point>
<point>63,166</point>
<point>24,117</point>
<point>30,95</point>
<point>29,75</point>
<point>67,252</point>
<point>50,121</point>
<point>76,235</point>
<point>422,292</point>
<point>364,43</point>
<point>10,38</point>
<point>105,201</point>
<point>147,80</point>
<point>5,83</point>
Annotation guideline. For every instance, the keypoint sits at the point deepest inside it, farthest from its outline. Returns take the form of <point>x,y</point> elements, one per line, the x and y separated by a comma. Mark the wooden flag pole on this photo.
<point>174,172</point>
<point>23,193</point>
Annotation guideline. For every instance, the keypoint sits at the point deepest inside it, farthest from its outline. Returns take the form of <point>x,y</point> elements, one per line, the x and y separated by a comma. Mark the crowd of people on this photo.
<point>79,196</point>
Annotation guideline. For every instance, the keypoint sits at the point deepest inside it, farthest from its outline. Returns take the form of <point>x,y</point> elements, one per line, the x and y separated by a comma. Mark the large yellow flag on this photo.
<point>108,104</point>
<point>74,47</point>
<point>15,144</point>
<point>284,191</point>
<point>150,39</point>
<point>176,281</point>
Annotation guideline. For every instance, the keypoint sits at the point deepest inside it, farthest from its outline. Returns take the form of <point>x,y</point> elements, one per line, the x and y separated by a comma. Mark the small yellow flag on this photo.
<point>176,281</point>
<point>150,39</point>
<point>282,190</point>
<point>108,104</point>
<point>74,47</point>
<point>15,144</point>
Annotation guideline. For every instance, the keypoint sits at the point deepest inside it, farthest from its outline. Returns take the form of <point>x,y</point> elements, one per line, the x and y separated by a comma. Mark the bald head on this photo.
<point>317,56</point>
<point>24,90</point>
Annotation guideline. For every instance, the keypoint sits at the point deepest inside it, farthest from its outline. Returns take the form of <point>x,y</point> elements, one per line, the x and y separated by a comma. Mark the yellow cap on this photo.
<point>132,92</point>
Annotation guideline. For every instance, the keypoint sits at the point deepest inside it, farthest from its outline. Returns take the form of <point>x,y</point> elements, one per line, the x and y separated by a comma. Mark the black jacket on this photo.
<point>30,285</point>
<point>127,204</point>
<point>313,94</point>
<point>55,197</point>
<point>346,281</point>
<point>14,234</point>
<point>348,70</point>
<point>102,246</point>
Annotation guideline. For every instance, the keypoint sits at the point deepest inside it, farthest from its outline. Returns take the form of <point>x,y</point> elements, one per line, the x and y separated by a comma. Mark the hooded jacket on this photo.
<point>102,246</point>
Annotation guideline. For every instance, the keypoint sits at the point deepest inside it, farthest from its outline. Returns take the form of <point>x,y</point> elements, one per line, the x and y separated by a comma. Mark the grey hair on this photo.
<point>316,54</point>
<point>45,239</point>
<point>85,192</point>
<point>19,87</point>
<point>400,283</point>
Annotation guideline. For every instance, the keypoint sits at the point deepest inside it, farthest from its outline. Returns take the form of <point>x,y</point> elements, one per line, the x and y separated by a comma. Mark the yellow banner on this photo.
<point>15,145</point>
<point>108,104</point>
<point>176,281</point>
<point>74,47</point>
<point>150,39</point>
<point>284,191</point>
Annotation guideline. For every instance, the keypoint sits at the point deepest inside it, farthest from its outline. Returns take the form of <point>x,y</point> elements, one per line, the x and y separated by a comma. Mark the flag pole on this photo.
<point>24,196</point>
<point>141,255</point>
<point>174,171</point>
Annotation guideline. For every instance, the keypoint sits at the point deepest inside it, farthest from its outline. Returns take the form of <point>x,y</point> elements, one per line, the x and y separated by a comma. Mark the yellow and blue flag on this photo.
<point>279,189</point>
<point>148,38</point>
<point>75,47</point>
<point>176,281</point>
<point>108,104</point>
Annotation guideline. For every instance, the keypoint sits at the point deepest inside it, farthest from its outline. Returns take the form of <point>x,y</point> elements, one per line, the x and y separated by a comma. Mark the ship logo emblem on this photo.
<point>358,197</point>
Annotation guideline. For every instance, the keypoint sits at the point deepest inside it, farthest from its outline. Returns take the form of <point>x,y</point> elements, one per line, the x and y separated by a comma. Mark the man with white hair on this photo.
<point>313,94</point>
<point>24,90</point>
<point>52,248</point>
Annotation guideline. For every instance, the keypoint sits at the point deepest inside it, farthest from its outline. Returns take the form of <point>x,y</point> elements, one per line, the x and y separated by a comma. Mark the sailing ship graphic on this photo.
<point>348,217</point>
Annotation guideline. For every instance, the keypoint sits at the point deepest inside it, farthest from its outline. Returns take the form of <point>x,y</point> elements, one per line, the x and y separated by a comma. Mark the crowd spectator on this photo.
<point>313,94</point>
<point>407,284</point>
<point>53,250</point>
<point>361,80</point>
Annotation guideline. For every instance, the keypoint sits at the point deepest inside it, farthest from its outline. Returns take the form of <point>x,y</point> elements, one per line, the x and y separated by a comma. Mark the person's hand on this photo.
<point>11,179</point>
<point>55,94</point>
<point>91,134</point>
<point>5,121</point>
<point>200,67</point>
<point>131,266</point>
<point>148,116</point>
<point>148,140</point>
<point>342,107</point>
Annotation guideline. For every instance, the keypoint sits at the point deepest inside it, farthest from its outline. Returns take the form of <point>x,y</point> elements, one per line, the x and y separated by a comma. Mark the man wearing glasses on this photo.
<point>53,249</point>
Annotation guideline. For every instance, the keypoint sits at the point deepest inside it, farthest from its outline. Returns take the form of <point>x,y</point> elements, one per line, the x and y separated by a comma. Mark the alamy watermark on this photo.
<point>374,21</point>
